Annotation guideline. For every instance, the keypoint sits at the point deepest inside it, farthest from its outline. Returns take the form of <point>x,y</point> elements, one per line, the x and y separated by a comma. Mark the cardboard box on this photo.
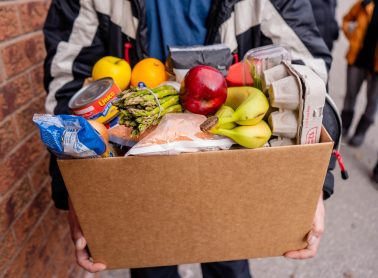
<point>199,207</point>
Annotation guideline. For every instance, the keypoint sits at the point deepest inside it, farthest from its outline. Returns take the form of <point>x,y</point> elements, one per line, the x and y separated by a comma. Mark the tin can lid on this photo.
<point>90,93</point>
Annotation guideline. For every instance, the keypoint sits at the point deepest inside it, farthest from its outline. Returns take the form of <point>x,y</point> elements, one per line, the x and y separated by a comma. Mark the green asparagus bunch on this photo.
<point>139,108</point>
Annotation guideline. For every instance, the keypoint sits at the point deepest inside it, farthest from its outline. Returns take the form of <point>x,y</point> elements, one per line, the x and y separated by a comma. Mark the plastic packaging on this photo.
<point>184,58</point>
<point>70,136</point>
<point>180,133</point>
<point>259,59</point>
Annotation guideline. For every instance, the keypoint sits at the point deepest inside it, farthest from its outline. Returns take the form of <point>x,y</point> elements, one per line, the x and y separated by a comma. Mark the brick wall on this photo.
<point>34,236</point>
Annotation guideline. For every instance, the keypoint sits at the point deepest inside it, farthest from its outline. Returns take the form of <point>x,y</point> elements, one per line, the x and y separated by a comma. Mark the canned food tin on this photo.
<point>94,101</point>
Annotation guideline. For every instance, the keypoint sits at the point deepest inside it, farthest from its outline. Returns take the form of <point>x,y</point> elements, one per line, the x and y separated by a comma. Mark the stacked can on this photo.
<point>94,101</point>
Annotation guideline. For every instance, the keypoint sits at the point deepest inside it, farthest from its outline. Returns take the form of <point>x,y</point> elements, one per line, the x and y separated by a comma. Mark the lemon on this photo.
<point>114,67</point>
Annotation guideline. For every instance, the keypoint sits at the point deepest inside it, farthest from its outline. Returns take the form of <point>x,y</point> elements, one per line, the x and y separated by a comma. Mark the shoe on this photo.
<point>359,135</point>
<point>375,173</point>
<point>346,118</point>
<point>356,140</point>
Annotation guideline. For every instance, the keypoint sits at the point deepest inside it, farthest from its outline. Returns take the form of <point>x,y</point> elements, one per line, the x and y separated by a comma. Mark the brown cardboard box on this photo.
<point>199,207</point>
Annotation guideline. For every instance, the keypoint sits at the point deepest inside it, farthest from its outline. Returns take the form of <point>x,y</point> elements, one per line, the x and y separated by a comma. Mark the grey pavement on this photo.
<point>349,247</point>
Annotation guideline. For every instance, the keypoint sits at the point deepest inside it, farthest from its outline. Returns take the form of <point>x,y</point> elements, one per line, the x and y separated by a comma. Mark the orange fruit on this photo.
<point>150,71</point>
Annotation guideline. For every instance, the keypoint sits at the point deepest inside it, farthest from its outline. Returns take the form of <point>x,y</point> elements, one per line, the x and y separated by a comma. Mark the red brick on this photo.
<point>40,172</point>
<point>52,218</point>
<point>67,267</point>
<point>31,216</point>
<point>37,79</point>
<point>16,165</point>
<point>8,175</point>
<point>14,94</point>
<point>8,137</point>
<point>24,117</point>
<point>35,49</point>
<point>45,249</point>
<point>27,257</point>
<point>2,74</point>
<point>69,248</point>
<point>63,229</point>
<point>59,248</point>
<point>3,103</point>
<point>67,270</point>
<point>37,268</point>
<point>33,15</point>
<point>16,270</point>
<point>58,244</point>
<point>64,253</point>
<point>32,150</point>
<point>9,24</point>
<point>77,272</point>
<point>50,270</point>
<point>10,208</point>
<point>7,249</point>
<point>22,54</point>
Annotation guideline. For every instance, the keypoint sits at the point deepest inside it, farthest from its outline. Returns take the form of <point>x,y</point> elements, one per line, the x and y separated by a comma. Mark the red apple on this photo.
<point>204,90</point>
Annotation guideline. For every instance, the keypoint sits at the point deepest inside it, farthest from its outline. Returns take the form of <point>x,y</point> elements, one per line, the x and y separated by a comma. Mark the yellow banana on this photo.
<point>236,95</point>
<point>250,112</point>
<point>225,112</point>
<point>247,136</point>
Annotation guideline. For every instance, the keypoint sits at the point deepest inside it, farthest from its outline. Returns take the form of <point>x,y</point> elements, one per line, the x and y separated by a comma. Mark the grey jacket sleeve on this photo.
<point>292,23</point>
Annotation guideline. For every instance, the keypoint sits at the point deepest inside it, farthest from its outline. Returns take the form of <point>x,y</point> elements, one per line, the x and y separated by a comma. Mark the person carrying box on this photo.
<point>78,33</point>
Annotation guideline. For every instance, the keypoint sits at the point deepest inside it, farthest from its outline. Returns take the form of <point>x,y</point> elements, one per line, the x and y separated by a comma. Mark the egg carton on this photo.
<point>298,96</point>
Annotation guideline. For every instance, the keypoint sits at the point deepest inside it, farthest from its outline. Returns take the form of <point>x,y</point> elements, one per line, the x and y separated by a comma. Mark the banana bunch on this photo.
<point>245,124</point>
<point>141,108</point>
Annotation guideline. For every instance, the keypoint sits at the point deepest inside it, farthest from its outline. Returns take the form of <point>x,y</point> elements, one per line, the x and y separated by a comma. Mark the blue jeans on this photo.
<point>231,269</point>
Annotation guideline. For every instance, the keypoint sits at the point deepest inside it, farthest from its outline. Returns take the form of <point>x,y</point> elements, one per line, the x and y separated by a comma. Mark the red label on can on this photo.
<point>100,109</point>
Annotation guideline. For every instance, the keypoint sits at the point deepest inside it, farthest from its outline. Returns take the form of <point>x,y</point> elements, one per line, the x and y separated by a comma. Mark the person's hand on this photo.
<point>82,257</point>
<point>313,237</point>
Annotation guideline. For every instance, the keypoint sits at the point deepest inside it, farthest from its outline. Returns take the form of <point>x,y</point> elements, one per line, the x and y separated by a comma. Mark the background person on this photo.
<point>375,172</point>
<point>77,34</point>
<point>360,26</point>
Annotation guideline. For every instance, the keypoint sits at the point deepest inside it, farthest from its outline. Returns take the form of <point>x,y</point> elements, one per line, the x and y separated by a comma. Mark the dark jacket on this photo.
<point>325,17</point>
<point>78,33</point>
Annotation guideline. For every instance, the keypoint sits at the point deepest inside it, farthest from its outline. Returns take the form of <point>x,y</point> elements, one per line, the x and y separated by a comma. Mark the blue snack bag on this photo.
<point>70,136</point>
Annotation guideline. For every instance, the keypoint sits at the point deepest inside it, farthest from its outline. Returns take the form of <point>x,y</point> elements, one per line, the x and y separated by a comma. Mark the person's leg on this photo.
<point>355,78</point>
<point>372,97</point>
<point>155,272</point>
<point>367,119</point>
<point>230,269</point>
<point>375,172</point>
